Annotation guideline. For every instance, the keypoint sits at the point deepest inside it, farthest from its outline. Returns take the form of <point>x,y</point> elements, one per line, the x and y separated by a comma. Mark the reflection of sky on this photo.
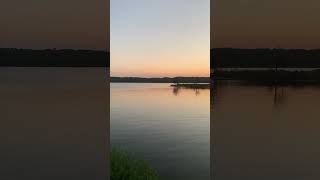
<point>255,135</point>
<point>160,37</point>
<point>162,95</point>
<point>53,123</point>
<point>166,130</point>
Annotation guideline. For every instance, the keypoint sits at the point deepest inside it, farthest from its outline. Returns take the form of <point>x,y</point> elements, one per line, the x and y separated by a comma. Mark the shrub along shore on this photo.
<point>125,167</point>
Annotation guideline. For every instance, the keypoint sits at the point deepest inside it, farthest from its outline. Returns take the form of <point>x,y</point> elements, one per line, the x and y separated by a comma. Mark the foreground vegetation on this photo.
<point>125,167</point>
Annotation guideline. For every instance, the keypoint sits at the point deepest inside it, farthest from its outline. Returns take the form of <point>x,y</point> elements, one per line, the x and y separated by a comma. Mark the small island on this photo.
<point>191,85</point>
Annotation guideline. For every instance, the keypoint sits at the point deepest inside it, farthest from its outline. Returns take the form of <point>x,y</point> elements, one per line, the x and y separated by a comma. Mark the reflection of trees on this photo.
<point>280,96</point>
<point>176,90</point>
<point>213,92</point>
<point>197,91</point>
<point>278,91</point>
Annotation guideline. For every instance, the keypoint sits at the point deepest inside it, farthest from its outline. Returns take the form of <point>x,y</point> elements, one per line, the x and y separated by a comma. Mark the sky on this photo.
<point>61,24</point>
<point>160,38</point>
<point>265,23</point>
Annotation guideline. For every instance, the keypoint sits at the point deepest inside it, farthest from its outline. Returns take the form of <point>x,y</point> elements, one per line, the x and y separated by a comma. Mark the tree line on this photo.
<point>53,58</point>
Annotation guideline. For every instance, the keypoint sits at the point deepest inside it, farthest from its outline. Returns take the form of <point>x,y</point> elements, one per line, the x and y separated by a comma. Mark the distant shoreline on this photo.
<point>12,57</point>
<point>160,80</point>
<point>264,58</point>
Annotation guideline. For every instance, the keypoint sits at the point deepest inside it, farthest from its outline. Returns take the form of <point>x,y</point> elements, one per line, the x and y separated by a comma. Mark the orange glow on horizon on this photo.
<point>161,73</point>
<point>196,69</point>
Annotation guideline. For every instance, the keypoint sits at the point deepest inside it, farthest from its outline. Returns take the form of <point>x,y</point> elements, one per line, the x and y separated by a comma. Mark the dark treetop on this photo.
<point>53,58</point>
<point>264,58</point>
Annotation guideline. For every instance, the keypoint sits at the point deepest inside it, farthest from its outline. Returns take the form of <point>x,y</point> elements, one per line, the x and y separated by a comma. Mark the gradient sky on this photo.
<point>41,24</point>
<point>265,23</point>
<point>156,38</point>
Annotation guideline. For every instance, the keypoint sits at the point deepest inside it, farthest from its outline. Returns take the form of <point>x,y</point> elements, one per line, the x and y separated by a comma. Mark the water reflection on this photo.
<point>54,123</point>
<point>264,131</point>
<point>166,126</point>
<point>176,90</point>
<point>280,96</point>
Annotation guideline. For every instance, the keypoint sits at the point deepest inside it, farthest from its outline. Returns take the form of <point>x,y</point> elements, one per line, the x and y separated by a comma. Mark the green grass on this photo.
<point>125,167</point>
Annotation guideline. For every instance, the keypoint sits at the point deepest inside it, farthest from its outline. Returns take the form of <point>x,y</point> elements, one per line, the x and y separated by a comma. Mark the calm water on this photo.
<point>265,132</point>
<point>54,123</point>
<point>169,128</point>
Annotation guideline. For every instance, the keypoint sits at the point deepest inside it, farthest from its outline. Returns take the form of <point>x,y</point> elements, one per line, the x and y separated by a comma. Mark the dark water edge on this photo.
<point>267,75</point>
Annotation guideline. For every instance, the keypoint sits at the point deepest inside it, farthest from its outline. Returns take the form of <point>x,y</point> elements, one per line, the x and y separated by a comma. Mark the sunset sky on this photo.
<point>265,23</point>
<point>157,38</point>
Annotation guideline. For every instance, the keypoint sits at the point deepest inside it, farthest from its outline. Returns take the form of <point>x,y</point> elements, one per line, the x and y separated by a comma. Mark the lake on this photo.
<point>167,127</point>
<point>54,123</point>
<point>265,132</point>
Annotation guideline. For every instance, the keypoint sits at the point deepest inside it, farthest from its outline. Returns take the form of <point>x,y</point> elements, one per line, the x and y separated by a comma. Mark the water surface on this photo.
<point>54,123</point>
<point>265,132</point>
<point>167,127</point>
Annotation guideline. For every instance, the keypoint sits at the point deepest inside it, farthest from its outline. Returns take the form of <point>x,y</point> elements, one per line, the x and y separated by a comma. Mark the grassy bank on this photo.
<point>125,167</point>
